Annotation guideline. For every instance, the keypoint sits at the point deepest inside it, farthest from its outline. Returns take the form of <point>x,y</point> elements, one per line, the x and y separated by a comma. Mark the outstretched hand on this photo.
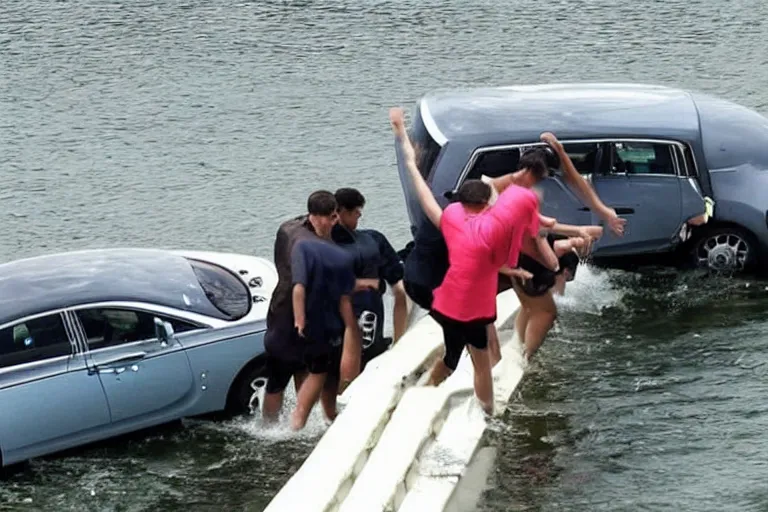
<point>397,120</point>
<point>615,223</point>
<point>551,140</point>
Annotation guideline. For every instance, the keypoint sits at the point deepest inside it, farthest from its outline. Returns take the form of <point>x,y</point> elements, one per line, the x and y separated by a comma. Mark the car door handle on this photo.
<point>126,358</point>
<point>624,211</point>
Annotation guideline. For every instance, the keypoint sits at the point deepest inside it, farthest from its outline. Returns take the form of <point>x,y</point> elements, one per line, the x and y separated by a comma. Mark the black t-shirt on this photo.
<point>280,305</point>
<point>326,271</point>
<point>427,262</point>
<point>374,258</point>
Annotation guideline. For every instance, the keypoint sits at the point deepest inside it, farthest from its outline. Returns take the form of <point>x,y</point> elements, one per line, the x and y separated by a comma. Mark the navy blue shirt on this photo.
<point>326,271</point>
<point>374,258</point>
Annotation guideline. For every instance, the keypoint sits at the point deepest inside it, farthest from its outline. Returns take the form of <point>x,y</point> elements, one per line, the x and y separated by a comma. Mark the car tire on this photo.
<point>725,249</point>
<point>247,392</point>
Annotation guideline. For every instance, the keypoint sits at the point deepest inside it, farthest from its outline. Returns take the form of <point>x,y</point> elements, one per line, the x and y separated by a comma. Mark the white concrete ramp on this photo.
<point>398,445</point>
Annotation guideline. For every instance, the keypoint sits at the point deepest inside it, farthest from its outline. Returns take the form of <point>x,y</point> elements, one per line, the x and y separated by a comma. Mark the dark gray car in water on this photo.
<point>653,153</point>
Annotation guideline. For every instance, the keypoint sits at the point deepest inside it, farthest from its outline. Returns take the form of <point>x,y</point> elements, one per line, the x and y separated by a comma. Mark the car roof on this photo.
<point>55,281</point>
<point>571,110</point>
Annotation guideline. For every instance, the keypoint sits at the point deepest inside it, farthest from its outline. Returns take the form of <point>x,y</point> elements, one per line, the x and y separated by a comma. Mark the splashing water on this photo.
<point>280,431</point>
<point>591,291</point>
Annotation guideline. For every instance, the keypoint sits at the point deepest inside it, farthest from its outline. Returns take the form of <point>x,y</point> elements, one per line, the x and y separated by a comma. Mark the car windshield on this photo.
<point>227,292</point>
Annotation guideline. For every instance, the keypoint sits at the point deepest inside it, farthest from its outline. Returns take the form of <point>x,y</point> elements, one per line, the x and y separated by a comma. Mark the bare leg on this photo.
<point>298,378</point>
<point>494,348</point>
<point>328,401</point>
<point>439,373</point>
<point>308,395</point>
<point>542,318</point>
<point>273,403</point>
<point>521,320</point>
<point>483,380</point>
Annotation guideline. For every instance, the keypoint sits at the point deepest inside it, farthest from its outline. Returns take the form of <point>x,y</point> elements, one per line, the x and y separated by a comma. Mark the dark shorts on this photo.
<point>299,355</point>
<point>458,334</point>
<point>543,278</point>
<point>420,294</point>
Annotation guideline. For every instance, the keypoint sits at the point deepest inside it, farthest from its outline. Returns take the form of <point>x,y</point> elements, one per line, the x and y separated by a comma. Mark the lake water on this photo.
<point>191,124</point>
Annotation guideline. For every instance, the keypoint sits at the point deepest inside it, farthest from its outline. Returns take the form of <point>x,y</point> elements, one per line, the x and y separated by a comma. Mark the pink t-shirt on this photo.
<point>478,245</point>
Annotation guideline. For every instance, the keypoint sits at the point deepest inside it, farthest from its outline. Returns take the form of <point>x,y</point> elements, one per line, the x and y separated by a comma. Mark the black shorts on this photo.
<point>419,294</point>
<point>301,355</point>
<point>458,334</point>
<point>543,278</point>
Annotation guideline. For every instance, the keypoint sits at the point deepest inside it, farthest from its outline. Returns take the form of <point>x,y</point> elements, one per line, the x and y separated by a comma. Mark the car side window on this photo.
<point>642,158</point>
<point>34,340</point>
<point>494,163</point>
<point>584,155</point>
<point>498,162</point>
<point>107,327</point>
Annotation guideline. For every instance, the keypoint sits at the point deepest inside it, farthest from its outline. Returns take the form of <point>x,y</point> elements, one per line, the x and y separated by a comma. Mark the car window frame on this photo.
<point>673,158</point>
<point>73,347</point>
<point>158,311</point>
<point>598,140</point>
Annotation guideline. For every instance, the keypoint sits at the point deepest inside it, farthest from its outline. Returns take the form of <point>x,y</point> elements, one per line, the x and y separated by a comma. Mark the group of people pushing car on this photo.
<point>326,315</point>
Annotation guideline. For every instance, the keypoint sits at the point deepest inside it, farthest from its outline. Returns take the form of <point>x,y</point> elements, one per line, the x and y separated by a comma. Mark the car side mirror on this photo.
<point>163,331</point>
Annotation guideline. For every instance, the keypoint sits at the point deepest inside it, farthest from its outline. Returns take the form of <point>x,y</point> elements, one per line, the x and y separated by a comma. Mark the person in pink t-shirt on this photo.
<point>481,241</point>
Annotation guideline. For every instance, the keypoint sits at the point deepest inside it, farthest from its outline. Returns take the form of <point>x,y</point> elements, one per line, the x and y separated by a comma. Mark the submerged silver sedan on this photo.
<point>99,343</point>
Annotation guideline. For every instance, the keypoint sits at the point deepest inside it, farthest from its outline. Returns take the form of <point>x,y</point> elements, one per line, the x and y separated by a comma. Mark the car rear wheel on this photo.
<point>247,392</point>
<point>725,249</point>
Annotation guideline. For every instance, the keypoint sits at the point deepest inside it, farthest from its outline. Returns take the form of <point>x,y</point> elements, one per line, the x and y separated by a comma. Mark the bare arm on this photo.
<point>593,232</point>
<point>352,347</point>
<point>548,256</point>
<point>515,272</point>
<point>584,190</point>
<point>502,182</point>
<point>400,310</point>
<point>426,198</point>
<point>299,313</point>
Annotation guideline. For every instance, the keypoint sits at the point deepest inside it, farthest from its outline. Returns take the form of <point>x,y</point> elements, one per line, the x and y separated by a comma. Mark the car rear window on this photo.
<point>427,148</point>
<point>227,292</point>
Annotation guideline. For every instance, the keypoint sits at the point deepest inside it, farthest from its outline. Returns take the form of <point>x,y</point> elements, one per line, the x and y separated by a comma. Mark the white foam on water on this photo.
<point>590,292</point>
<point>281,431</point>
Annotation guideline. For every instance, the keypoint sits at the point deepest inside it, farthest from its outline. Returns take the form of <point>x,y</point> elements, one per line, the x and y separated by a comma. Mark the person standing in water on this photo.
<point>481,240</point>
<point>538,310</point>
<point>285,349</point>
<point>374,258</point>
<point>323,283</point>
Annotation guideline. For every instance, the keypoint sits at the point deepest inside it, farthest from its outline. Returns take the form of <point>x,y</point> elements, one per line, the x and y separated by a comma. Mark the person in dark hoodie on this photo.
<point>374,258</point>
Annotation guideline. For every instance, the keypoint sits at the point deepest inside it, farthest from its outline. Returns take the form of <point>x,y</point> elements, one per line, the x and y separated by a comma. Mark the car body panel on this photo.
<point>89,395</point>
<point>37,420</point>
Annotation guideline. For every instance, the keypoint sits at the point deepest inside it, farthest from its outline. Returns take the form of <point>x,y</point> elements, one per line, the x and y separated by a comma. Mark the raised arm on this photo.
<point>426,198</point>
<point>585,192</point>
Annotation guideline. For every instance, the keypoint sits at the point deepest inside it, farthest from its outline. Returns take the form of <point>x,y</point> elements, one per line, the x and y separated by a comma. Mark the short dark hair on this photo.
<point>473,192</point>
<point>321,202</point>
<point>538,161</point>
<point>349,198</point>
